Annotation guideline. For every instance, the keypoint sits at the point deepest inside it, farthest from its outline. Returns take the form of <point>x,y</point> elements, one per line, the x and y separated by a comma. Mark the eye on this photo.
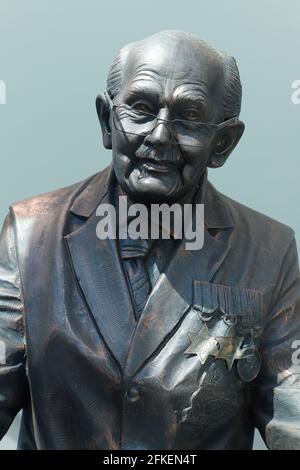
<point>191,115</point>
<point>142,107</point>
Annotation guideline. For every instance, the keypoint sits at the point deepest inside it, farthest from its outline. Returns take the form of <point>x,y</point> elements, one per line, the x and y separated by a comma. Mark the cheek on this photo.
<point>123,151</point>
<point>120,163</point>
<point>124,145</point>
<point>195,164</point>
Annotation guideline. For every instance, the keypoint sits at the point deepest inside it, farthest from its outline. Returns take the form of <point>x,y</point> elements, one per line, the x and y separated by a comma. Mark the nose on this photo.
<point>161,136</point>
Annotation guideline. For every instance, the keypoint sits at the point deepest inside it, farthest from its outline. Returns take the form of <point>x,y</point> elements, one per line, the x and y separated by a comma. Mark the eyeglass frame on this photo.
<point>216,127</point>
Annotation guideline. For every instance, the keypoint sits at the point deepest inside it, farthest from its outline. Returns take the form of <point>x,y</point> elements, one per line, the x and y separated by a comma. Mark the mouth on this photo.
<point>157,167</point>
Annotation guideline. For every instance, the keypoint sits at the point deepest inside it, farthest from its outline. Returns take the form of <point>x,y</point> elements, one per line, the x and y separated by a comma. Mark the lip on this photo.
<point>158,167</point>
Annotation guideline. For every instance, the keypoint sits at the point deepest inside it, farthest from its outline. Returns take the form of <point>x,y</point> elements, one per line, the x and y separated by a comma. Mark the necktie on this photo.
<point>133,253</point>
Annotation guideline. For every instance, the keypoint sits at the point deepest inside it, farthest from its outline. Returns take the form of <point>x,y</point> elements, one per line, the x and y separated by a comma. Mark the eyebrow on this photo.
<point>191,100</point>
<point>142,91</point>
<point>194,95</point>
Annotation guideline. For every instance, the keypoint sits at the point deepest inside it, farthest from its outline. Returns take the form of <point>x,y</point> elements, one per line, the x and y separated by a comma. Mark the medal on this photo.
<point>204,344</point>
<point>248,367</point>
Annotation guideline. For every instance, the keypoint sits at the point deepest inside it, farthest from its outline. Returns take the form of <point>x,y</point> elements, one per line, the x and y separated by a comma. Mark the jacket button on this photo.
<point>133,394</point>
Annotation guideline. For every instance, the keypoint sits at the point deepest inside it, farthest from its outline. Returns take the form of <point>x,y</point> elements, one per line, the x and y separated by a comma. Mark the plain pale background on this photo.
<point>54,58</point>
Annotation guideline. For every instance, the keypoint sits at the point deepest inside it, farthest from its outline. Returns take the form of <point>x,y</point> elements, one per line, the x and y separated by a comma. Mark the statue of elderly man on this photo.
<point>139,342</point>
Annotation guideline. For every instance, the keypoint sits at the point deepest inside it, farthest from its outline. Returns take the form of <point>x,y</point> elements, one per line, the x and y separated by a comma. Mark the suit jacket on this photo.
<point>87,377</point>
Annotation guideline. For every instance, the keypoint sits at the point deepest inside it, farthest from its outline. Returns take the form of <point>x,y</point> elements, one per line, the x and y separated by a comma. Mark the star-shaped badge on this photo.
<point>222,347</point>
<point>202,344</point>
<point>229,349</point>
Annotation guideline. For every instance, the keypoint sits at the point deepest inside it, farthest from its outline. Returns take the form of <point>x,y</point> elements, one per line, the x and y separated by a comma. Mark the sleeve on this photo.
<point>276,393</point>
<point>12,345</point>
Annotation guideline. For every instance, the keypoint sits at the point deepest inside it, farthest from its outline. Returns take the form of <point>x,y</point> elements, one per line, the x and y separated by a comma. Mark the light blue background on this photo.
<point>54,58</point>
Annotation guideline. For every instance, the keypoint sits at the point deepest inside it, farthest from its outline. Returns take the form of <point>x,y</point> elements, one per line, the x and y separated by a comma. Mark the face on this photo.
<point>154,160</point>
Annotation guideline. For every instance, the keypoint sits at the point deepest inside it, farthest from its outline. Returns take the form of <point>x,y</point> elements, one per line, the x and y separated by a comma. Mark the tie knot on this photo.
<point>135,248</point>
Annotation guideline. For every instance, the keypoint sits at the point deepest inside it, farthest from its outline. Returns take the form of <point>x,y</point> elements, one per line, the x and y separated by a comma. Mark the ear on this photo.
<point>226,140</point>
<point>103,111</point>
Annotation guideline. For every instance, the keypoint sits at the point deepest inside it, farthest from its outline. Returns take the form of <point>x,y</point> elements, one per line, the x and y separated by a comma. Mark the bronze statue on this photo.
<point>144,344</point>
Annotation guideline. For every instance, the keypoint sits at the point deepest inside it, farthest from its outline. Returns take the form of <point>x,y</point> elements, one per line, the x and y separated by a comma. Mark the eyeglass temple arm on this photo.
<point>232,120</point>
<point>108,99</point>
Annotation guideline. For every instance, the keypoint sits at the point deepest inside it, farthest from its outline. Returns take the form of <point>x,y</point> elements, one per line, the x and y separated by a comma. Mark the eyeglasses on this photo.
<point>188,132</point>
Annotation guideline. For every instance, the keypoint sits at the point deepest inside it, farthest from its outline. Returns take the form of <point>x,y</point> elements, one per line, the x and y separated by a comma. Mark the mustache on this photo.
<point>172,156</point>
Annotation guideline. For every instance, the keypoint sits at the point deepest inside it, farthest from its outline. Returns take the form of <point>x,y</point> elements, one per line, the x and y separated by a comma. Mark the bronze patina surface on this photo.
<point>207,356</point>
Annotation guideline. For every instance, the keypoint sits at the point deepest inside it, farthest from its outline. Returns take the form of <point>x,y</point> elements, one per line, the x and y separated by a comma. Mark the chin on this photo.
<point>154,193</point>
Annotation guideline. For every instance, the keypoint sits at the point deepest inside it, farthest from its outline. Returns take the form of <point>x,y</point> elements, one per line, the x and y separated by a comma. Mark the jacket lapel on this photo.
<point>100,274</point>
<point>172,295</point>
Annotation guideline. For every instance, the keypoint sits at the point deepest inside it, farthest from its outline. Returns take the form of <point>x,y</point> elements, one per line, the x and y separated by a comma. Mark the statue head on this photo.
<point>171,109</point>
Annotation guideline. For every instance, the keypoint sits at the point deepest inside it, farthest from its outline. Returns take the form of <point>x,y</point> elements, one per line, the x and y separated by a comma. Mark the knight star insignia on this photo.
<point>222,347</point>
<point>202,344</point>
<point>229,349</point>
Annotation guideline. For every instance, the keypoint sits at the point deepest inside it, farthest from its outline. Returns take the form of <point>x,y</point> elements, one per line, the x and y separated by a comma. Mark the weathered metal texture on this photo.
<point>210,358</point>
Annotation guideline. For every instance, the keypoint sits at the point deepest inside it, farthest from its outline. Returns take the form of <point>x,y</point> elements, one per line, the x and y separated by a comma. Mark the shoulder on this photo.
<point>80,197</point>
<point>257,228</point>
<point>48,215</point>
<point>48,203</point>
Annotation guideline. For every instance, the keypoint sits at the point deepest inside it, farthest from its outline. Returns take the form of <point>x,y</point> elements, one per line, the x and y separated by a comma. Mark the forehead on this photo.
<point>171,68</point>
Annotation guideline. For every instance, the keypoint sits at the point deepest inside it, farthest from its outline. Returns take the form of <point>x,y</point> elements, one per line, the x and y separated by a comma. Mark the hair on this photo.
<point>232,95</point>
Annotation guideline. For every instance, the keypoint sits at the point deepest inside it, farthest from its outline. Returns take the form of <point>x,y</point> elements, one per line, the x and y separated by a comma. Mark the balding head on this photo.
<point>171,51</point>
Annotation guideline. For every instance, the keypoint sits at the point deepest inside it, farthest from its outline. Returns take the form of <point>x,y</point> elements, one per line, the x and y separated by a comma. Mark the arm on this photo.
<point>12,351</point>
<point>276,393</point>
